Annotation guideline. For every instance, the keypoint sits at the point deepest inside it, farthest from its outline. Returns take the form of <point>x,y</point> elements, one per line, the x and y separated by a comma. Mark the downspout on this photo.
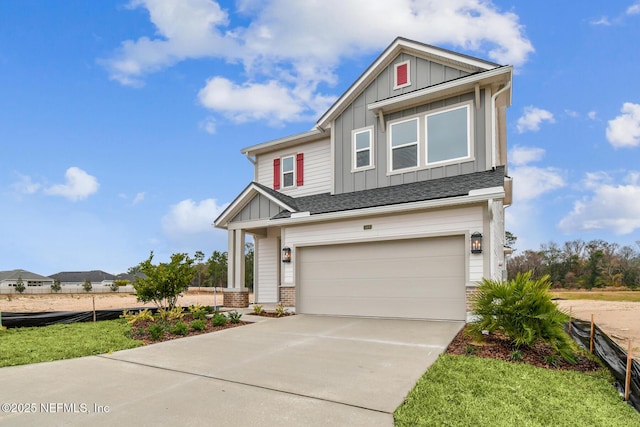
<point>255,166</point>
<point>494,149</point>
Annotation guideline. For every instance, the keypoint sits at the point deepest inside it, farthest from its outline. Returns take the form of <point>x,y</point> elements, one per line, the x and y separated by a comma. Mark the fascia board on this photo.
<point>480,196</point>
<point>241,201</point>
<point>442,89</point>
<point>312,135</point>
<point>414,48</point>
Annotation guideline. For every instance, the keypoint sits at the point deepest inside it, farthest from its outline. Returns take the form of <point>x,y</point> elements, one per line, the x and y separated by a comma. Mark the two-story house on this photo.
<point>393,204</point>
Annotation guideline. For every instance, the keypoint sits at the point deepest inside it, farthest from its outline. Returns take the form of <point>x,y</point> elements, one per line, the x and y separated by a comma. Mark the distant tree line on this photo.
<point>213,271</point>
<point>579,264</point>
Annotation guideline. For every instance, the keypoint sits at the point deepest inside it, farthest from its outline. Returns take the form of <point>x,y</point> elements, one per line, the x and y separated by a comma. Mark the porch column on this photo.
<point>236,295</point>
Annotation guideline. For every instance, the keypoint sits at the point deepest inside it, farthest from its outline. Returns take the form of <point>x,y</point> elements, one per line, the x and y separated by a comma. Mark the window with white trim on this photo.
<point>288,171</point>
<point>447,135</point>
<point>401,75</point>
<point>362,143</point>
<point>404,144</point>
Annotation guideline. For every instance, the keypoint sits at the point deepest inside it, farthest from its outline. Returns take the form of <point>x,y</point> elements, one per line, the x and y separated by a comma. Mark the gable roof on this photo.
<point>443,56</point>
<point>81,276</point>
<point>395,195</point>
<point>24,274</point>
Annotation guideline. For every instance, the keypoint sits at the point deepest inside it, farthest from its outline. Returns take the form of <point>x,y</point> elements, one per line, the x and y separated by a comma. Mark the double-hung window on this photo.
<point>362,148</point>
<point>404,144</point>
<point>288,171</point>
<point>448,135</point>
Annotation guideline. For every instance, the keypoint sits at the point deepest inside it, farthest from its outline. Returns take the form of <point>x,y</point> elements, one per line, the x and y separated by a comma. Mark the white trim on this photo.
<point>415,118</point>
<point>397,86</point>
<point>354,149</point>
<point>445,89</point>
<point>312,135</point>
<point>470,144</point>
<point>292,172</point>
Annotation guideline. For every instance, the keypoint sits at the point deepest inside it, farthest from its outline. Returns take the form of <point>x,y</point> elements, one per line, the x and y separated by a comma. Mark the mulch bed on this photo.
<point>141,329</point>
<point>495,346</point>
<point>273,314</point>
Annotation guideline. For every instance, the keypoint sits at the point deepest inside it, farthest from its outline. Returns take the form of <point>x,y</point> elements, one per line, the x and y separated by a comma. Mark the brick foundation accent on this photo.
<point>288,296</point>
<point>470,292</point>
<point>235,298</point>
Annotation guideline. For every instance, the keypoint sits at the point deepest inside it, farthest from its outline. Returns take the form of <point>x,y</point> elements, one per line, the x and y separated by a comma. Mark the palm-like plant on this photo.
<point>523,311</point>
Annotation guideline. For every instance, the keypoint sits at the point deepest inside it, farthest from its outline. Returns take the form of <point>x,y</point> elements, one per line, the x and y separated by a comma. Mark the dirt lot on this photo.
<point>619,320</point>
<point>84,302</point>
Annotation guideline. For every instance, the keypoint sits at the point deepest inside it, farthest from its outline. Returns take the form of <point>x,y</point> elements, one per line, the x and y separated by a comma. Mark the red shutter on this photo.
<point>401,75</point>
<point>276,174</point>
<point>299,169</point>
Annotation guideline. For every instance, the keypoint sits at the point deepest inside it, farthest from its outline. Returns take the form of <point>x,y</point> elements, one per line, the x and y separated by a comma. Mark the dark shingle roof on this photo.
<point>440,188</point>
<point>81,276</point>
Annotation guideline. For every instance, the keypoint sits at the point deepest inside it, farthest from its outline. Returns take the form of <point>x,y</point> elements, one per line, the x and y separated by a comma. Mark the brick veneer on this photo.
<point>235,299</point>
<point>288,296</point>
<point>470,292</point>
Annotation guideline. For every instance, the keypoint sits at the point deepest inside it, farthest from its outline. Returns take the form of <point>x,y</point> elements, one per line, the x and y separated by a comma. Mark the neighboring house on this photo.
<point>373,211</point>
<point>10,278</point>
<point>77,278</point>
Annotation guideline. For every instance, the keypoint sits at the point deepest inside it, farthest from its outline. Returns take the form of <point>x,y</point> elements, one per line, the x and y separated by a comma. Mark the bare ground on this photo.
<point>84,302</point>
<point>619,320</point>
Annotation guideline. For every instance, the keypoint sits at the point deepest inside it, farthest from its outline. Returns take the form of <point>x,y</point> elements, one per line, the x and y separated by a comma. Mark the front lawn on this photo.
<point>21,346</point>
<point>473,391</point>
<point>596,295</point>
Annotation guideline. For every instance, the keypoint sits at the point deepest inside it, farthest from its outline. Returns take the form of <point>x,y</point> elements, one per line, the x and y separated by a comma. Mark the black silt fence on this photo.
<point>613,356</point>
<point>20,320</point>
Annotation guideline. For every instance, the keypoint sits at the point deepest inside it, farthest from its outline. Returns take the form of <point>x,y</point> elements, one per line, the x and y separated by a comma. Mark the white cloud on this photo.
<point>634,9</point>
<point>532,118</point>
<point>189,217</point>
<point>612,207</point>
<point>79,185</point>
<point>604,20</point>
<point>25,185</point>
<point>208,125</point>
<point>530,182</point>
<point>300,44</point>
<point>624,130</point>
<point>592,115</point>
<point>524,155</point>
<point>139,197</point>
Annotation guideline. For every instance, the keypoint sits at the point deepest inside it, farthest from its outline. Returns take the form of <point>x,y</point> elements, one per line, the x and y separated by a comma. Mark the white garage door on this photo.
<point>415,278</point>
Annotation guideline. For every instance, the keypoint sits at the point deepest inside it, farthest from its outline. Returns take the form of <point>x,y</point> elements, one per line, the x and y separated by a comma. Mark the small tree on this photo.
<point>164,282</point>
<point>20,285</point>
<point>87,286</point>
<point>56,286</point>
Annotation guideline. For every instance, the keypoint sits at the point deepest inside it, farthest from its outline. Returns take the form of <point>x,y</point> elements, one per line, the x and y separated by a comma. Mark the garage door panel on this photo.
<point>417,278</point>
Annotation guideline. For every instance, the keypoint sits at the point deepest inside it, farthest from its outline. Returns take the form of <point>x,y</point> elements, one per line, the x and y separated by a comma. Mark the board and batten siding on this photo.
<point>260,207</point>
<point>317,168</point>
<point>266,274</point>
<point>444,222</point>
<point>423,73</point>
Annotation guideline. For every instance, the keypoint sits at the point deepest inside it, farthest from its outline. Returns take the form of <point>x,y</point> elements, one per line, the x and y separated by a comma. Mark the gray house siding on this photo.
<point>423,74</point>
<point>259,207</point>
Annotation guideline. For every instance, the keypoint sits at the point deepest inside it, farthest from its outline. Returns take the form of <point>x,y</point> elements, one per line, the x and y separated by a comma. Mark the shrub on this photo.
<point>20,285</point>
<point>280,310</point>
<point>170,315</point>
<point>219,319</point>
<point>56,286</point>
<point>234,316</point>
<point>156,331</point>
<point>180,328</point>
<point>87,286</point>
<point>257,309</point>
<point>523,311</point>
<point>199,325</point>
<point>198,312</point>
<point>133,318</point>
<point>113,287</point>
<point>516,355</point>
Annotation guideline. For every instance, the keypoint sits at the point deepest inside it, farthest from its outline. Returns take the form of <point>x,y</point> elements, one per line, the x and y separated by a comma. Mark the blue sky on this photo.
<point>122,121</point>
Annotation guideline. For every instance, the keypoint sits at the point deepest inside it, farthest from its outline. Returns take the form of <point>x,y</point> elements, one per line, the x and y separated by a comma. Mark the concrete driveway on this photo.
<point>299,371</point>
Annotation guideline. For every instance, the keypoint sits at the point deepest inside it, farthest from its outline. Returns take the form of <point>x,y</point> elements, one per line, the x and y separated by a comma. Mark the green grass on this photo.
<point>471,391</point>
<point>21,346</point>
<point>626,296</point>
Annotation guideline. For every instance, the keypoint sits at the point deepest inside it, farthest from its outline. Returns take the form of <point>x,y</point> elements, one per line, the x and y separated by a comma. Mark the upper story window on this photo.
<point>401,74</point>
<point>288,171</point>
<point>404,144</point>
<point>443,135</point>
<point>448,135</point>
<point>362,143</point>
